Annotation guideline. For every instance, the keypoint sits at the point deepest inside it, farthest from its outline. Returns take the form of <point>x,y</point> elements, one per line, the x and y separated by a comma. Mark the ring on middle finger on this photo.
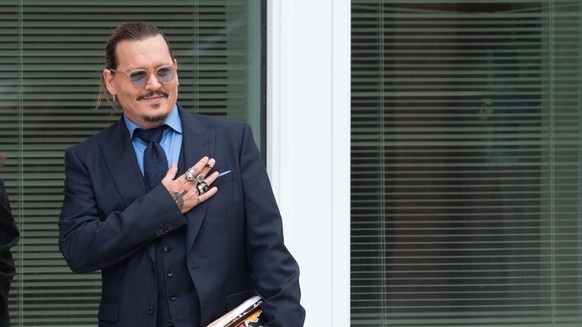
<point>190,175</point>
<point>200,178</point>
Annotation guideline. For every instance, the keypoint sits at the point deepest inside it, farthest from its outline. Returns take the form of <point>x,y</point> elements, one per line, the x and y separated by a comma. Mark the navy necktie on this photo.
<point>155,163</point>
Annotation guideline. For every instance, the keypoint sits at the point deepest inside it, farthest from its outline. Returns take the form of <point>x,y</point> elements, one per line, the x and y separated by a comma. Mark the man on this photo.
<point>183,251</point>
<point>9,236</point>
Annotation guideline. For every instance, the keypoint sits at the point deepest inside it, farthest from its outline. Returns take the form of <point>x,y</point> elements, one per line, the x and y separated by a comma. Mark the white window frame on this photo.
<point>308,146</point>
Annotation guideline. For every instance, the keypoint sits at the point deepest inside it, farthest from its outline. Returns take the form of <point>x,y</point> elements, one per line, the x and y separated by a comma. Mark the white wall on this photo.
<point>308,140</point>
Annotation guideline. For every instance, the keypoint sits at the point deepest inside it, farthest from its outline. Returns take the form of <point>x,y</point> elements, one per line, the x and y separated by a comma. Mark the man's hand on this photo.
<point>186,192</point>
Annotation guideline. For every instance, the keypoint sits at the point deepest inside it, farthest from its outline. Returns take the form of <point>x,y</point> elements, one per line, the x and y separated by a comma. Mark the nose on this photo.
<point>152,83</point>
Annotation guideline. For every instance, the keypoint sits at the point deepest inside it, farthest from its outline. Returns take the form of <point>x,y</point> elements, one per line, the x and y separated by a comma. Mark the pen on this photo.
<point>224,173</point>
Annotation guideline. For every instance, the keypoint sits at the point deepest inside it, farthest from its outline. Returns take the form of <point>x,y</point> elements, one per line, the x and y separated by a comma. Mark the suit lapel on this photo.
<point>120,158</point>
<point>118,153</point>
<point>197,142</point>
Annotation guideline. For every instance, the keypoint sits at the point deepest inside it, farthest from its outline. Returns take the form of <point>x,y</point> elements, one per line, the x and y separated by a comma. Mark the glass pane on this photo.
<point>465,137</point>
<point>51,57</point>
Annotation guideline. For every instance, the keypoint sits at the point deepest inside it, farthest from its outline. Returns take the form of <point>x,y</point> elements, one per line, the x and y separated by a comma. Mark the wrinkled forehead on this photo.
<point>145,53</point>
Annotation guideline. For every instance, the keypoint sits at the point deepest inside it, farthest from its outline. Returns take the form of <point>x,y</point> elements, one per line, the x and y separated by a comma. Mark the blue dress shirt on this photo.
<point>171,139</point>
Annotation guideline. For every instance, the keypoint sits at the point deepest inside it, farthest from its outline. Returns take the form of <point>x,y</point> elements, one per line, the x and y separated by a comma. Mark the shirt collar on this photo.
<point>173,120</point>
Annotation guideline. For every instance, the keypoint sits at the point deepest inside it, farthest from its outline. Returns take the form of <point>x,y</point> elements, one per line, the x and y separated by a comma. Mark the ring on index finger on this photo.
<point>202,187</point>
<point>190,175</point>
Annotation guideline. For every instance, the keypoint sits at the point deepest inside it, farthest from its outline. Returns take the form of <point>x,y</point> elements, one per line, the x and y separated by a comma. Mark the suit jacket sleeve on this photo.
<point>275,271</point>
<point>8,238</point>
<point>97,230</point>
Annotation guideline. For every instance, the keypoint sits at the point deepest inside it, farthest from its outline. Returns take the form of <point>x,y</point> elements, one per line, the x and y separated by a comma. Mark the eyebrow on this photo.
<point>143,68</point>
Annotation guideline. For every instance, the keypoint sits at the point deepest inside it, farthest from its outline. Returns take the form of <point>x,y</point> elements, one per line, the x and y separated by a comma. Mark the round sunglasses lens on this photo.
<point>165,75</point>
<point>139,78</point>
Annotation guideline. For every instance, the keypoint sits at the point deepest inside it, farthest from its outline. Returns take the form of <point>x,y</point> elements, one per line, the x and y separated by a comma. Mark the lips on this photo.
<point>154,95</point>
<point>154,98</point>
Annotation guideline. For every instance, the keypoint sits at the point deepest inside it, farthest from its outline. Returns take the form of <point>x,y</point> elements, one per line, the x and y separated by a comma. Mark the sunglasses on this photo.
<point>140,77</point>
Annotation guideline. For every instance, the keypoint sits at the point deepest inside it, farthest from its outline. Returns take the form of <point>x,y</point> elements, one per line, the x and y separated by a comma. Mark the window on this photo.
<point>466,133</point>
<point>51,56</point>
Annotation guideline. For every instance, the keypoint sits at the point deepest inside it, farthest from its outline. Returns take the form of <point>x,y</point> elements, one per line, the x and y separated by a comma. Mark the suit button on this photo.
<point>170,273</point>
<point>172,297</point>
<point>170,323</point>
<point>150,310</point>
<point>167,248</point>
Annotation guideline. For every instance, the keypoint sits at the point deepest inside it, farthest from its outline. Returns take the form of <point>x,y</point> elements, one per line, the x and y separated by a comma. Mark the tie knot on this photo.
<point>152,134</point>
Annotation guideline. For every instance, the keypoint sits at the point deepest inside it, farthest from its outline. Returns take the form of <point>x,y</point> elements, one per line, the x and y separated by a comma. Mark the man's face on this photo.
<point>150,104</point>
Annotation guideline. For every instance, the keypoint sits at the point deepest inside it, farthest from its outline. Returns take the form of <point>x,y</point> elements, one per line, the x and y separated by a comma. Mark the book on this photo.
<point>247,314</point>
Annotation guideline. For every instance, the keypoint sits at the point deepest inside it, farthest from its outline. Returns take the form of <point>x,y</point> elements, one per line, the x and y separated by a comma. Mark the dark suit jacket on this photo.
<point>234,240</point>
<point>8,238</point>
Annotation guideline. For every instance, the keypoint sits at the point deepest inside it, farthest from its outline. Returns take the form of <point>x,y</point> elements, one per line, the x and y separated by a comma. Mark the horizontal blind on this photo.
<point>51,57</point>
<point>466,132</point>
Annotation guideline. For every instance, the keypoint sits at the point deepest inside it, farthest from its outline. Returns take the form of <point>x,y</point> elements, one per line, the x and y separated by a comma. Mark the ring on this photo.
<point>200,178</point>
<point>202,187</point>
<point>190,174</point>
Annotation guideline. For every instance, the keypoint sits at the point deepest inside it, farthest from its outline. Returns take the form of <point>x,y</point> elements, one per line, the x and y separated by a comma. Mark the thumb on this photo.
<point>171,173</point>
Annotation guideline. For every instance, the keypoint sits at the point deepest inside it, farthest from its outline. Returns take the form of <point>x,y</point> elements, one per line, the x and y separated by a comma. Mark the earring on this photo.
<point>113,95</point>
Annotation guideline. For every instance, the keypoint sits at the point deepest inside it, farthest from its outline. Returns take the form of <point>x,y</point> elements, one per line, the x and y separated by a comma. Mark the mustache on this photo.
<point>153,93</point>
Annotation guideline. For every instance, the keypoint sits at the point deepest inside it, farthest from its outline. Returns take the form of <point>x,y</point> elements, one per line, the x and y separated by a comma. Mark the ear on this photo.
<point>177,77</point>
<point>108,78</point>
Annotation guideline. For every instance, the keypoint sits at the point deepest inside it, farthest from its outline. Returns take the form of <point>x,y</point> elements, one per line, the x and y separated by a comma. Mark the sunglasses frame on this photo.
<point>172,67</point>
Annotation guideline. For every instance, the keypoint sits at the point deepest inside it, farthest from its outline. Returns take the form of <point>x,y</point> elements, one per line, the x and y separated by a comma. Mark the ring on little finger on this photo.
<point>202,187</point>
